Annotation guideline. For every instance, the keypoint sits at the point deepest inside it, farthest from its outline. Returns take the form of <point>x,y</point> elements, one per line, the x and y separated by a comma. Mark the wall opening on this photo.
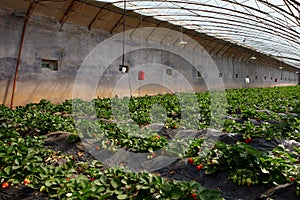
<point>199,75</point>
<point>256,77</point>
<point>236,76</point>
<point>265,77</point>
<point>169,72</point>
<point>247,80</point>
<point>50,64</point>
<point>220,75</point>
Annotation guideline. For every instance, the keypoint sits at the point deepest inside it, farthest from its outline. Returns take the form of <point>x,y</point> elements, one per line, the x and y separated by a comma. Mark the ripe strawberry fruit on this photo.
<point>194,196</point>
<point>175,127</point>
<point>157,137</point>
<point>199,167</point>
<point>97,148</point>
<point>292,179</point>
<point>4,185</point>
<point>153,155</point>
<point>248,140</point>
<point>190,161</point>
<point>26,181</point>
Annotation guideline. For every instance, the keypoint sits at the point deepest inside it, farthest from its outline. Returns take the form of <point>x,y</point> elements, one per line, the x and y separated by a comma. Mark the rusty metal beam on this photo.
<point>156,25</point>
<point>66,15</point>
<point>225,45</point>
<point>96,17</point>
<point>116,25</point>
<point>26,19</point>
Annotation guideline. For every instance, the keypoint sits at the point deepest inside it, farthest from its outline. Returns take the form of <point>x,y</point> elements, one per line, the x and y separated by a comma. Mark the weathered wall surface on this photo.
<point>70,46</point>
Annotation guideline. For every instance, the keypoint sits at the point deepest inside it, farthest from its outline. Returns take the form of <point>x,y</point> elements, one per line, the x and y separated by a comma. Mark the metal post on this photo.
<point>29,12</point>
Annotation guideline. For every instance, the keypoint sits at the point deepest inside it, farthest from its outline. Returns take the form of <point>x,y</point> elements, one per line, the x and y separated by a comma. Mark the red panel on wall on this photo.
<point>141,75</point>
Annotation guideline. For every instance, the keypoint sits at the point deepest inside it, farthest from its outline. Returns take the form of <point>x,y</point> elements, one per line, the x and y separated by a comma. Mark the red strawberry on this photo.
<point>194,196</point>
<point>92,179</point>
<point>153,155</point>
<point>97,148</point>
<point>4,185</point>
<point>175,127</point>
<point>292,179</point>
<point>26,181</point>
<point>190,161</point>
<point>199,167</point>
<point>248,140</point>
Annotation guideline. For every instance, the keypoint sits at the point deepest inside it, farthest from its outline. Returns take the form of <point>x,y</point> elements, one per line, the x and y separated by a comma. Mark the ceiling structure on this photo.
<point>269,26</point>
<point>266,29</point>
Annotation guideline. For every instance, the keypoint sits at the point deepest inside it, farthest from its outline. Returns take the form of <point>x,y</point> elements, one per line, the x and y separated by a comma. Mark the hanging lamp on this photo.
<point>124,68</point>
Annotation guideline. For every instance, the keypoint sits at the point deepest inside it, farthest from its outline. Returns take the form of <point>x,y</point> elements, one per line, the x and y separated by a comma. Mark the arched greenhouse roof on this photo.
<point>268,26</point>
<point>266,29</point>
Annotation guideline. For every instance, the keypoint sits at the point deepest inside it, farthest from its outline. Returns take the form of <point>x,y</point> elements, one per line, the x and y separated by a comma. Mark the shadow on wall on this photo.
<point>6,93</point>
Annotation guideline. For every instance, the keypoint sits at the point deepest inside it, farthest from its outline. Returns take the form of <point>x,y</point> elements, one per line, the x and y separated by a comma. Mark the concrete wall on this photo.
<point>70,46</point>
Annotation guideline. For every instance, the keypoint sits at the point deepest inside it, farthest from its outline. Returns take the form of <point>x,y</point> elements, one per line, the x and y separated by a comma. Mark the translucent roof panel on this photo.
<point>268,26</point>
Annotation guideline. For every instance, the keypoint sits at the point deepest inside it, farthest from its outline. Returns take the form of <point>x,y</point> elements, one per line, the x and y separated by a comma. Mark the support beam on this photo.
<point>227,44</point>
<point>66,15</point>
<point>288,6</point>
<point>95,18</point>
<point>156,25</point>
<point>116,25</point>
<point>26,19</point>
<point>142,20</point>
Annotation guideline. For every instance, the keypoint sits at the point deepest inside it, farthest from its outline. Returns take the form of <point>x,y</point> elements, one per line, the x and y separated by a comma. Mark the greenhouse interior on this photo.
<point>150,99</point>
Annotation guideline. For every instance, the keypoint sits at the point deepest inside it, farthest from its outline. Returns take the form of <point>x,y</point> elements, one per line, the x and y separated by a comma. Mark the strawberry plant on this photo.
<point>24,159</point>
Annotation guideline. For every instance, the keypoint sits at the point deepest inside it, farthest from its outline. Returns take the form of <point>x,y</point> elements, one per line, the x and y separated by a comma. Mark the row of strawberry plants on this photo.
<point>247,165</point>
<point>288,129</point>
<point>26,161</point>
<point>244,103</point>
